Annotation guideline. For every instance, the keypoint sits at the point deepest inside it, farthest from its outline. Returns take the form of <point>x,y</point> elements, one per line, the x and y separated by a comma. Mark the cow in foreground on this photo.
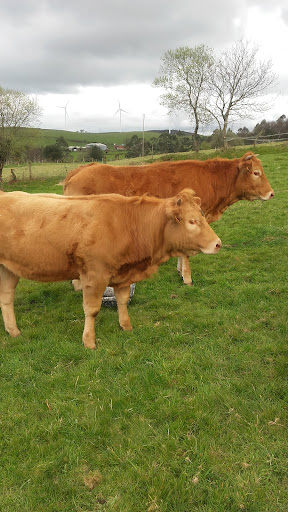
<point>219,183</point>
<point>101,240</point>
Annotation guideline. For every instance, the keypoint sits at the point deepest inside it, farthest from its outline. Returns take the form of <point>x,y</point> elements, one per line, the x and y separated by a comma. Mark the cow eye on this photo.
<point>193,221</point>
<point>257,172</point>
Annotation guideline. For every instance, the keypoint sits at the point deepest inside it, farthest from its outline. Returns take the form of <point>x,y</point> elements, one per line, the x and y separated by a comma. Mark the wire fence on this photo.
<point>259,139</point>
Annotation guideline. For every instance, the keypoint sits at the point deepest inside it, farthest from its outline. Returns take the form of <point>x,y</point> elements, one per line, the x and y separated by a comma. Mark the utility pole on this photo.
<point>143,136</point>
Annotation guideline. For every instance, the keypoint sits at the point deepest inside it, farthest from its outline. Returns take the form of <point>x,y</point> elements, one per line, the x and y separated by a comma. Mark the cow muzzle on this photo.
<point>213,247</point>
<point>268,196</point>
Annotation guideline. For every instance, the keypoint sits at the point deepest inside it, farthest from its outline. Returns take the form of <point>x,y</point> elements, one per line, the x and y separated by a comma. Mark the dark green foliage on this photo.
<point>96,154</point>
<point>272,127</point>
<point>56,152</point>
<point>135,147</point>
<point>53,153</point>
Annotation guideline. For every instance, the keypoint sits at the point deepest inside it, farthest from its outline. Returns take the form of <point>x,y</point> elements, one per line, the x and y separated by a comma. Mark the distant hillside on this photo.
<point>172,132</point>
<point>44,137</point>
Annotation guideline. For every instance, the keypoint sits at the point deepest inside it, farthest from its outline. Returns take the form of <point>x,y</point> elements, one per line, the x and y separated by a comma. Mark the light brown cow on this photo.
<point>101,240</point>
<point>219,182</point>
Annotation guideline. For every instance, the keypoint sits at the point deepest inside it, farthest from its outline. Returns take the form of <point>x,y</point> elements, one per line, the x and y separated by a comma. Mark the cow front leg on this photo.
<point>179,266</point>
<point>184,270</point>
<point>92,300</point>
<point>122,296</point>
<point>8,283</point>
<point>77,285</point>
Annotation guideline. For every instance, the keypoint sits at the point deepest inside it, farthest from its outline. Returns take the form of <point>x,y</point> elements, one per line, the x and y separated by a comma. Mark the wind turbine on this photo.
<point>120,110</point>
<point>65,112</point>
<point>169,115</point>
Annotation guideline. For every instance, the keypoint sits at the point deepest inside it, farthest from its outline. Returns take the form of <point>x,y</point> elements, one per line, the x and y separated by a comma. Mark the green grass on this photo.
<point>187,413</point>
<point>43,137</point>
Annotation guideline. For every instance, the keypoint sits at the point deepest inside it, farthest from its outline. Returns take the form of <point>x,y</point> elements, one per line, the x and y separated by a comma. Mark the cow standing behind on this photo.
<point>101,240</point>
<point>219,182</point>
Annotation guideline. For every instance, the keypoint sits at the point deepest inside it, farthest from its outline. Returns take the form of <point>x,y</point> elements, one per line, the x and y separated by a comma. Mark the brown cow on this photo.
<point>219,182</point>
<point>101,240</point>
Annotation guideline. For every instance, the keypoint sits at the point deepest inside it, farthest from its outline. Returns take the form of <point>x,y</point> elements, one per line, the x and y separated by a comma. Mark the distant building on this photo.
<point>90,145</point>
<point>98,144</point>
<point>120,147</point>
<point>74,148</point>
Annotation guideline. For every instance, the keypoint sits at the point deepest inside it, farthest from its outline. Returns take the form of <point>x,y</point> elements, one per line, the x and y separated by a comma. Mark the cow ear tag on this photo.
<point>243,167</point>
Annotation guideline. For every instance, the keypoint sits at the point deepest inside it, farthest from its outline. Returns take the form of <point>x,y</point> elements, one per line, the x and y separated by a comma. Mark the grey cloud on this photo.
<point>56,46</point>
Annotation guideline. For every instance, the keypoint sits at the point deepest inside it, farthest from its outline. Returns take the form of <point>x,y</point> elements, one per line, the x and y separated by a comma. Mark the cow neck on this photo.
<point>149,243</point>
<point>223,194</point>
<point>146,229</point>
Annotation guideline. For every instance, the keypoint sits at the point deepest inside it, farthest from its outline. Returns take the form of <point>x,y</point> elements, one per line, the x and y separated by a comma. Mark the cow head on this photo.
<point>252,182</point>
<point>190,232</point>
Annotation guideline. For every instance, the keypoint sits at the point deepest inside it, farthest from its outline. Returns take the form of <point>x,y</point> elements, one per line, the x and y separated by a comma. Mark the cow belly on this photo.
<point>45,270</point>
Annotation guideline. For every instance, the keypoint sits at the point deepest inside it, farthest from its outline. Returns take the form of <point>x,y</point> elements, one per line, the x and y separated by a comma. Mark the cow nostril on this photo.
<point>272,194</point>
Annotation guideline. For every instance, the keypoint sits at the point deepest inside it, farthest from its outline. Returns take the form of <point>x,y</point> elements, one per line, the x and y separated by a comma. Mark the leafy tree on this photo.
<point>17,111</point>
<point>53,152</point>
<point>232,139</point>
<point>185,76</point>
<point>154,144</point>
<point>57,151</point>
<point>278,127</point>
<point>96,153</point>
<point>62,143</point>
<point>243,132</point>
<point>237,84</point>
<point>168,143</point>
<point>135,147</point>
<point>184,144</point>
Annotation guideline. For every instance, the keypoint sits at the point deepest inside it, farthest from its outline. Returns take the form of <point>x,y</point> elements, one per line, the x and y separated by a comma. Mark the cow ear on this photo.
<point>197,200</point>
<point>244,166</point>
<point>174,209</point>
<point>177,210</point>
<point>248,155</point>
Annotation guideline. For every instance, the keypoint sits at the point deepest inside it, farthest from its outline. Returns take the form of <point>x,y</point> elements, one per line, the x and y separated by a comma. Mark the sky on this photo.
<point>83,60</point>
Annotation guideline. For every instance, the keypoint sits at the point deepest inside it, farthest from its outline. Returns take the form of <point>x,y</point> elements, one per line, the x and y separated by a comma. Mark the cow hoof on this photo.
<point>126,327</point>
<point>90,347</point>
<point>188,284</point>
<point>14,333</point>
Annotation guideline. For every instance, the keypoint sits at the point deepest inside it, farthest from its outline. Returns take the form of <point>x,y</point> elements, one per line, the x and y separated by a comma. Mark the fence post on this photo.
<point>30,170</point>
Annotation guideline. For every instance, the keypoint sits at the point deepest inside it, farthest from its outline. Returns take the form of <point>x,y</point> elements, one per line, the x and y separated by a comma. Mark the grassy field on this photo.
<point>187,413</point>
<point>44,137</point>
<point>40,171</point>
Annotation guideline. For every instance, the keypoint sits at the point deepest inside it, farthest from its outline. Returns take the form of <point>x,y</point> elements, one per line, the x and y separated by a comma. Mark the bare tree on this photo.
<point>185,76</point>
<point>238,85</point>
<point>17,111</point>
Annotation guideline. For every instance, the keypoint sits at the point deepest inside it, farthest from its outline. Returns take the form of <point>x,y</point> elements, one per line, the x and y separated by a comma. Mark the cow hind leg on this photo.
<point>8,283</point>
<point>92,300</point>
<point>122,296</point>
